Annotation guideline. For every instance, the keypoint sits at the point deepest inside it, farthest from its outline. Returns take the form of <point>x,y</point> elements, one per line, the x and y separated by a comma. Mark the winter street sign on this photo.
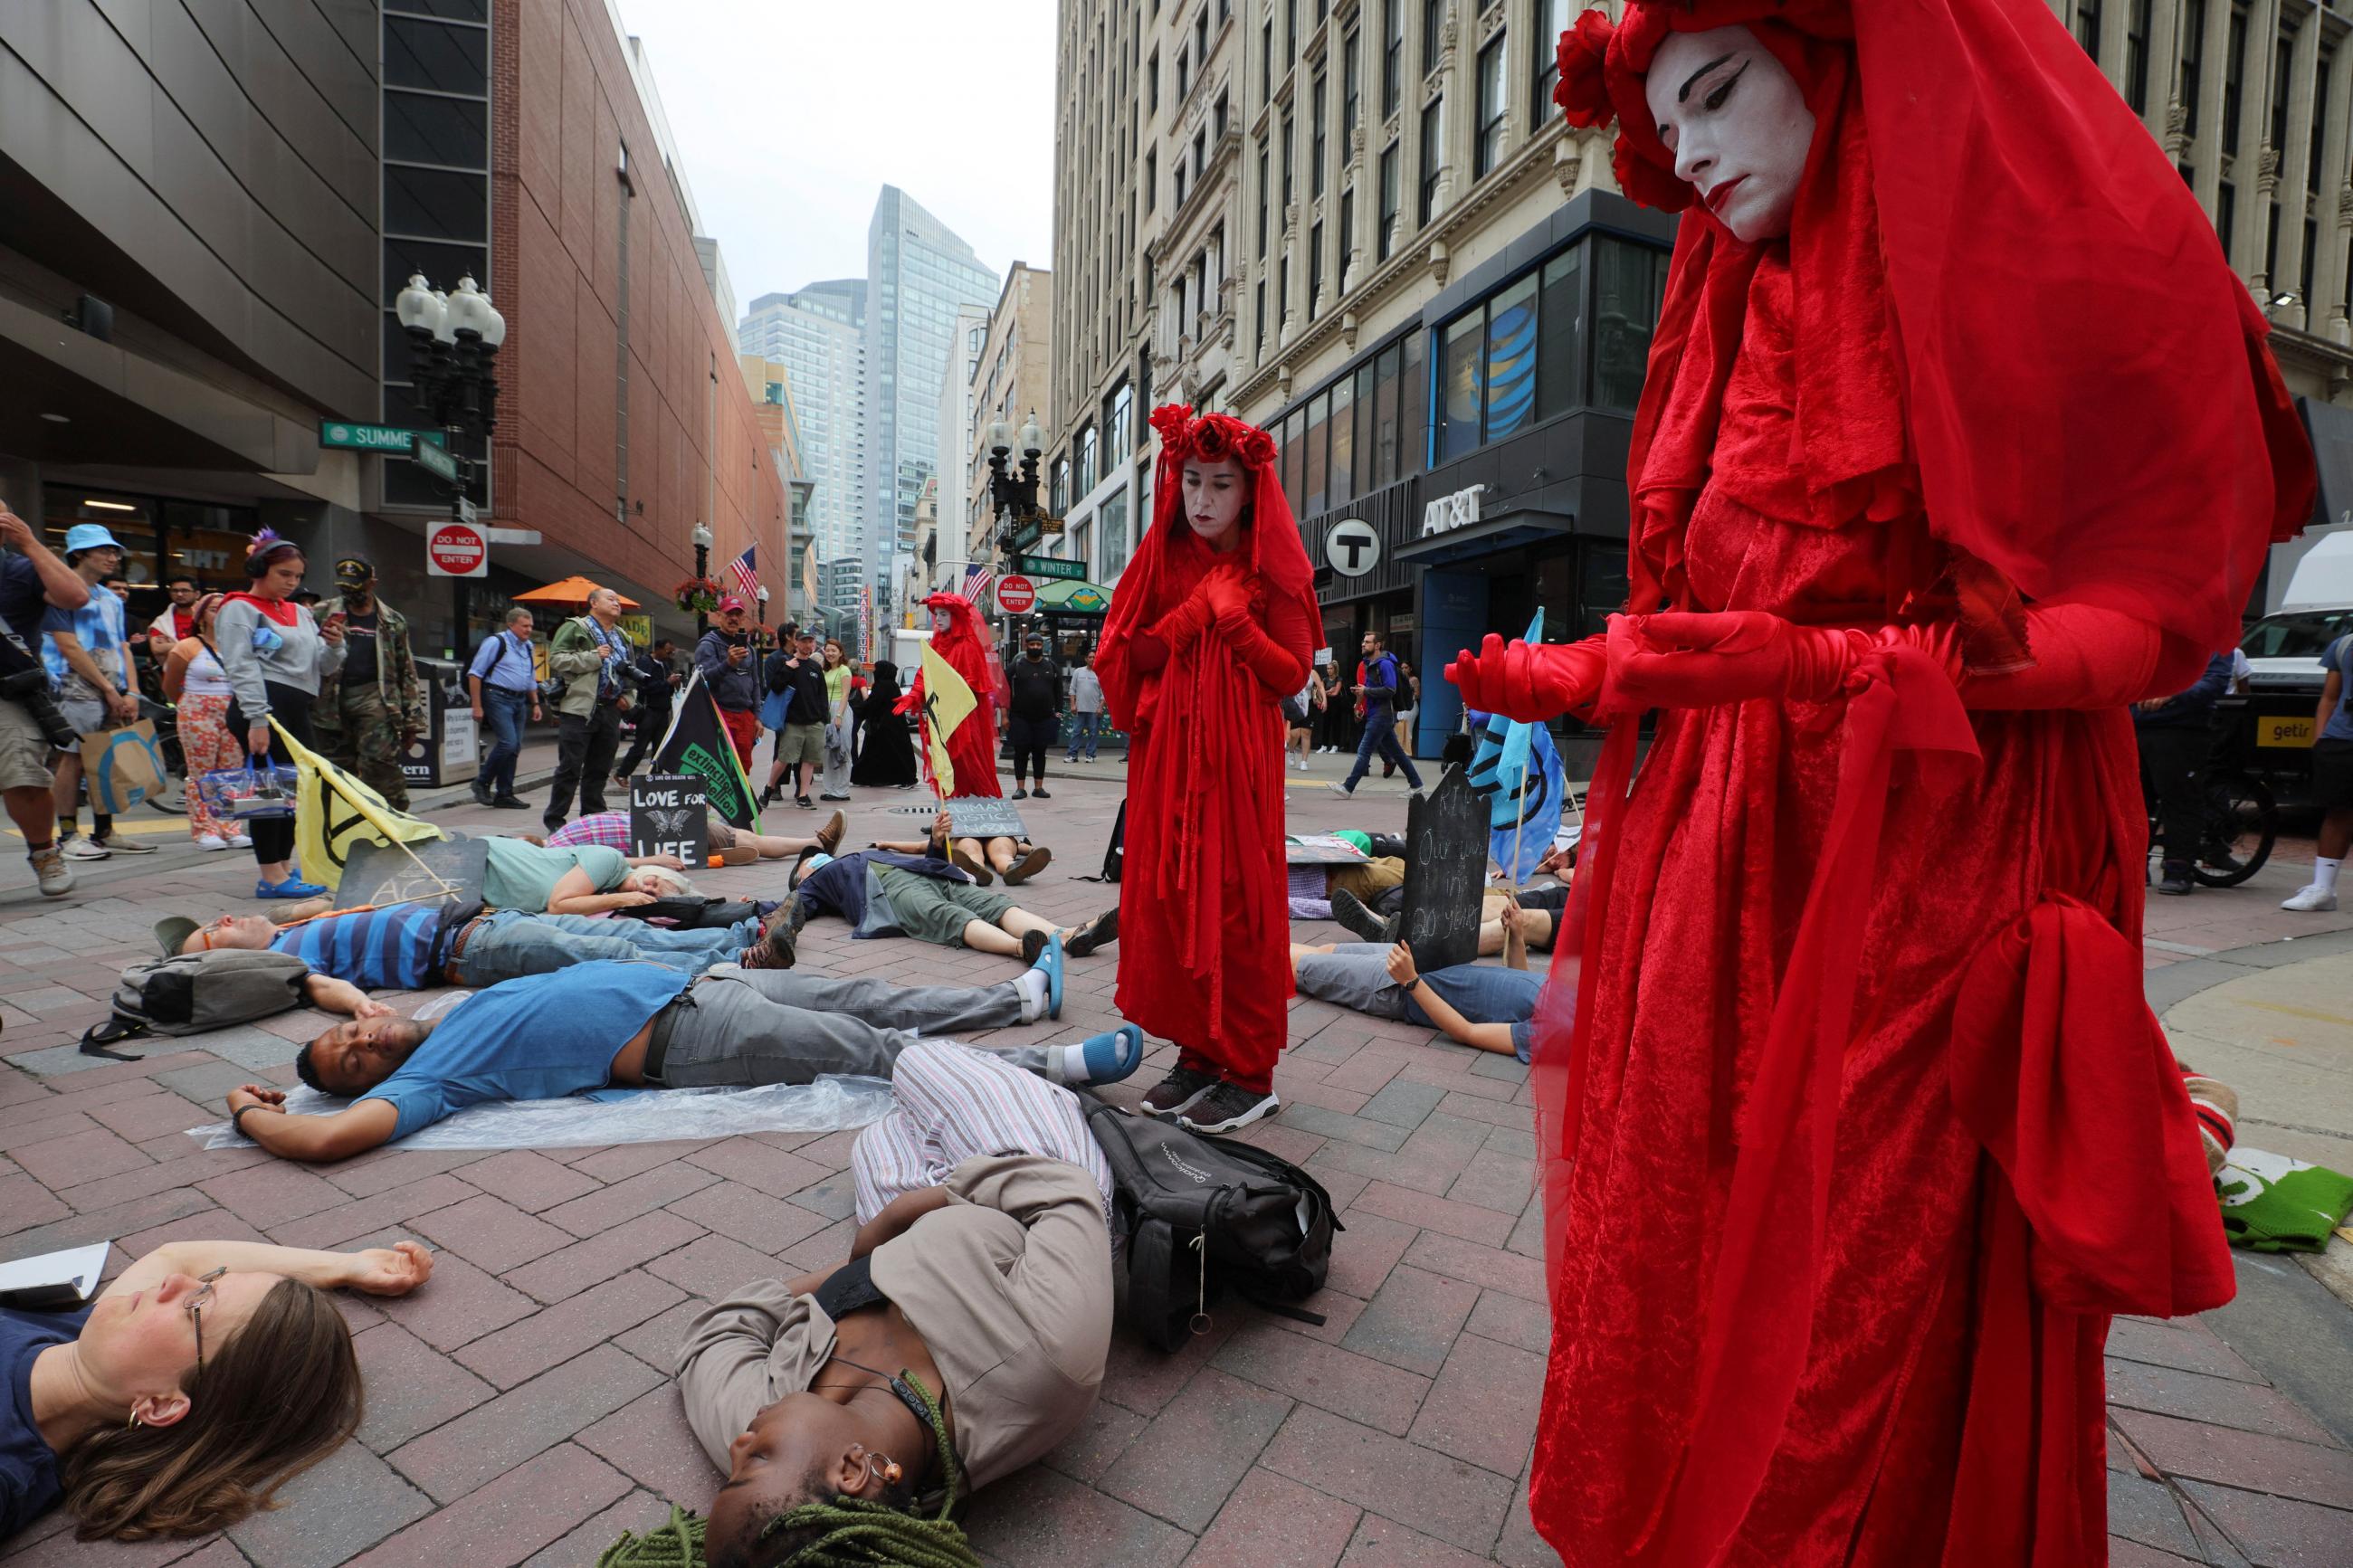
<point>457,550</point>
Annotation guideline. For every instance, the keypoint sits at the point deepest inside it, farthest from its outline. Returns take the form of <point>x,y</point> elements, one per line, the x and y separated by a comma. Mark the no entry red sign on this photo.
<point>457,550</point>
<point>1016,595</point>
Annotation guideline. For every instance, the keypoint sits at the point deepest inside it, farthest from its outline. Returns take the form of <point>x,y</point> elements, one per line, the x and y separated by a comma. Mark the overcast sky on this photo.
<point>791,115</point>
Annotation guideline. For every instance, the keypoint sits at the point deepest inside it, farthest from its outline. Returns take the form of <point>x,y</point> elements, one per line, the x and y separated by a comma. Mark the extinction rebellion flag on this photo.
<point>698,745</point>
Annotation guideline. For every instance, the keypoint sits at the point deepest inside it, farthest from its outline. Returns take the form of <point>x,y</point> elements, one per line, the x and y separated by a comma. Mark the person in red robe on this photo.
<point>1957,436</point>
<point>960,637</point>
<point>1211,628</point>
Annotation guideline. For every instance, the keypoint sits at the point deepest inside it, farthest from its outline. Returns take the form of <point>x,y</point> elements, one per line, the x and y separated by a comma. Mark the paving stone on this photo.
<point>1144,1378</point>
<point>411,1387</point>
<point>1513,1143</point>
<point>106,1224</point>
<point>25,1202</point>
<point>1452,1501</point>
<point>84,1155</point>
<point>1342,1126</point>
<point>1482,1407</point>
<point>2276,1532</point>
<point>489,1232</point>
<point>2123,1553</point>
<point>462,1305</point>
<point>1520,1546</point>
<point>1384,1543</point>
<point>655,1341</point>
<point>380,1169</point>
<point>623,1161</point>
<point>712,1266</point>
<point>529,1179</point>
<point>1337,1380</point>
<point>1184,1464</point>
<point>60,1550</point>
<point>206,1082</point>
<point>1511,1319</point>
<point>1496,1181</point>
<point>2222,1401</point>
<point>1402,1103</point>
<point>273,1193</point>
<point>2136,1339</point>
<point>251,1048</point>
<point>143,1116</point>
<point>649,1441</point>
<point>1042,1519</point>
<point>1481,1266</point>
<point>759,1220</point>
<point>638,1513</point>
<point>585,1263</point>
<point>2248,1460</point>
<point>1412,1320</point>
<point>1100,1439</point>
<point>364,1216</point>
<point>593,1214</point>
<point>834,1198</point>
<point>336,1509</point>
<point>494,1437</point>
<point>1470,1222</point>
<point>1273,1522</point>
<point>760,1166</point>
<point>525,1348</point>
<point>2145,1511</point>
<point>510,1518</point>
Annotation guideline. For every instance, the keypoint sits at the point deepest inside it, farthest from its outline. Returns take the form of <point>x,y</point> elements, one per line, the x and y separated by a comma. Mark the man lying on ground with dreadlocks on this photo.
<point>964,1337</point>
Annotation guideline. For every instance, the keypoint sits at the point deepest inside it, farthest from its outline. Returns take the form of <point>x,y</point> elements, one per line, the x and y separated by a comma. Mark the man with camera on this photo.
<point>32,582</point>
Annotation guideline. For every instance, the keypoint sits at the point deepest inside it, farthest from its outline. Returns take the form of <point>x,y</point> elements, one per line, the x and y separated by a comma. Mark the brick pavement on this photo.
<point>518,1412</point>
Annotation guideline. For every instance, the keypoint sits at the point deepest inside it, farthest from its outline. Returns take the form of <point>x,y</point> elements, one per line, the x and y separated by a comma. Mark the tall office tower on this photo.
<point>958,453</point>
<point>917,273</point>
<point>819,332</point>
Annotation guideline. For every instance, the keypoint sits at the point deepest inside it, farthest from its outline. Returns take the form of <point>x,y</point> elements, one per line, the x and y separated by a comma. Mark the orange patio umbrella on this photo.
<point>570,590</point>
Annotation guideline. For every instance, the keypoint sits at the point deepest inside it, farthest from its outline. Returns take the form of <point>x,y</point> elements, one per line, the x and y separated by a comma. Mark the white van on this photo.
<point>2283,648</point>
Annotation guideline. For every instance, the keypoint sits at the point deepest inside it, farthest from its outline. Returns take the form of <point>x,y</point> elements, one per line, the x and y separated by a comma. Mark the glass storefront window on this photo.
<point>1294,456</point>
<point>1344,442</point>
<point>1384,417</point>
<point>1111,534</point>
<point>1362,480</point>
<point>1560,333</point>
<point>1511,371</point>
<point>1413,397</point>
<point>1629,281</point>
<point>1603,584</point>
<point>1458,387</point>
<point>1319,414</point>
<point>434,56</point>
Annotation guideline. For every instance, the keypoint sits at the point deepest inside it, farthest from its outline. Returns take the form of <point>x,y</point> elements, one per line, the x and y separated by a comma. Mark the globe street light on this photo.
<point>701,538</point>
<point>453,348</point>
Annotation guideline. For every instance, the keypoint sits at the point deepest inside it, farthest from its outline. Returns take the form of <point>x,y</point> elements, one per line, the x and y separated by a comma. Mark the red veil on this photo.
<point>964,643</point>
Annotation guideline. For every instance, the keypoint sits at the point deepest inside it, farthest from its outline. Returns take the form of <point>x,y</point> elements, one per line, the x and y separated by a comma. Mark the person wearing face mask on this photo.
<point>1892,592</point>
<point>1035,715</point>
<point>959,637</point>
<point>1211,629</point>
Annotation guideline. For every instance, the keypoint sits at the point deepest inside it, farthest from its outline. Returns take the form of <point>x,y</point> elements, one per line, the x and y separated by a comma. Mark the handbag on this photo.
<point>123,768</point>
<point>250,793</point>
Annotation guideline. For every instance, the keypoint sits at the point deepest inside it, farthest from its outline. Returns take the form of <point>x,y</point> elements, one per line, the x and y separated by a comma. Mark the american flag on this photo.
<point>741,569</point>
<point>977,579</point>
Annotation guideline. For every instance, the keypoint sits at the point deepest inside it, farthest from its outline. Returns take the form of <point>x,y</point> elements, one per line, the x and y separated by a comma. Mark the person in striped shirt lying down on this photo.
<point>611,829</point>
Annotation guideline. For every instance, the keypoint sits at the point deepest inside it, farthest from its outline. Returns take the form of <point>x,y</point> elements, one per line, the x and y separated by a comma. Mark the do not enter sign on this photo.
<point>1016,595</point>
<point>457,550</point>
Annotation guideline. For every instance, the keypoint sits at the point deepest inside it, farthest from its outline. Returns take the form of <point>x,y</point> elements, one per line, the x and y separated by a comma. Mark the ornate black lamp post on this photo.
<point>1015,498</point>
<point>701,537</point>
<point>453,350</point>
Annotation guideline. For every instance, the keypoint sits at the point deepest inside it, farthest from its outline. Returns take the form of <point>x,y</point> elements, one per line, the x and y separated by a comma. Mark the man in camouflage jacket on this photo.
<point>364,724</point>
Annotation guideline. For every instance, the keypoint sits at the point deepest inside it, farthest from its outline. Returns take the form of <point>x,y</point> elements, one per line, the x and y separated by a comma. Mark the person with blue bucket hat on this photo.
<point>88,660</point>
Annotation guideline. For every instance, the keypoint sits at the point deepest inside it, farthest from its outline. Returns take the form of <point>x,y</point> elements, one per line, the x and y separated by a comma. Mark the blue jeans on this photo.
<point>504,711</point>
<point>1082,729</point>
<point>1380,726</point>
<point>511,944</point>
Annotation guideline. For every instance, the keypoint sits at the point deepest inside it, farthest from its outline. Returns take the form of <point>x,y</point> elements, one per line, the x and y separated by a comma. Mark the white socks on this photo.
<point>2324,873</point>
<point>1031,986</point>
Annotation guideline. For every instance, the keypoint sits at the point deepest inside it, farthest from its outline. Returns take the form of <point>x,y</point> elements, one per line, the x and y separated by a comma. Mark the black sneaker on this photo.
<point>481,793</point>
<point>1228,1107</point>
<point>1181,1089</point>
<point>1040,794</point>
<point>1100,931</point>
<point>1033,947</point>
<point>1020,795</point>
<point>2177,880</point>
<point>511,803</point>
<point>804,802</point>
<point>1352,912</point>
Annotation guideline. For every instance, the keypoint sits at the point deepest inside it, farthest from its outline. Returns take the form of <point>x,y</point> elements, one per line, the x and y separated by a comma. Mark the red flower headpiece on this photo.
<point>1212,438</point>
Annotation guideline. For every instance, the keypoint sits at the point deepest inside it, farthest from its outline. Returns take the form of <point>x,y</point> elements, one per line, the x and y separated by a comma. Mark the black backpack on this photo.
<point>1203,1215</point>
<point>692,911</point>
<point>190,993</point>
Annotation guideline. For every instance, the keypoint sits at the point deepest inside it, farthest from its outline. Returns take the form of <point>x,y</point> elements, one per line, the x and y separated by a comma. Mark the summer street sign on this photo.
<point>371,437</point>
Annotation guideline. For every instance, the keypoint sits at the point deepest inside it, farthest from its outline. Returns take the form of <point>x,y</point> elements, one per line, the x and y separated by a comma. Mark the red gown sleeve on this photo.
<point>1277,654</point>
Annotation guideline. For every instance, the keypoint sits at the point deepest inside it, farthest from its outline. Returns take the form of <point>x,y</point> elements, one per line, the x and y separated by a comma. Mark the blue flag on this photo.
<point>1519,769</point>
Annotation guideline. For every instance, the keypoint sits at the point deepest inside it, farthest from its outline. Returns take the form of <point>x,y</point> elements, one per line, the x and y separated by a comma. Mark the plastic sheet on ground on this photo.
<point>619,1116</point>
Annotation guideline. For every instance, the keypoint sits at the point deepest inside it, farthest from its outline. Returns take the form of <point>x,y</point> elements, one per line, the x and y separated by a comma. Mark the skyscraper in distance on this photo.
<point>819,332</point>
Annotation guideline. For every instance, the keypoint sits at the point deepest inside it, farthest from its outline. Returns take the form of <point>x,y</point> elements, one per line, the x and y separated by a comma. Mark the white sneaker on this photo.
<point>115,846</point>
<point>57,877</point>
<point>2312,900</point>
<point>240,841</point>
<point>80,848</point>
<point>211,841</point>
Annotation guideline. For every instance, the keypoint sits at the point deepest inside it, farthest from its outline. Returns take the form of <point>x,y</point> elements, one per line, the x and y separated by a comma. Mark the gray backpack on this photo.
<point>190,993</point>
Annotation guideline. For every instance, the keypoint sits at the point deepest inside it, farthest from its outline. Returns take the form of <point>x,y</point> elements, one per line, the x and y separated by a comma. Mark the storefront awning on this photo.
<point>1072,596</point>
<point>1503,531</point>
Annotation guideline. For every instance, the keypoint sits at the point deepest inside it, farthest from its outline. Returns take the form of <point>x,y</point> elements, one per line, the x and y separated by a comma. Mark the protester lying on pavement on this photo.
<point>965,1339</point>
<point>1542,908</point>
<point>195,1385</point>
<point>1476,1004</point>
<point>601,1024</point>
<point>580,879</point>
<point>611,829</point>
<point>881,893</point>
<point>1015,859</point>
<point>415,946</point>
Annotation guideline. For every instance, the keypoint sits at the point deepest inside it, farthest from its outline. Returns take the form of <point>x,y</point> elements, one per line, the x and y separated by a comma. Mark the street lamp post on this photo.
<point>453,350</point>
<point>701,537</point>
<point>1014,498</point>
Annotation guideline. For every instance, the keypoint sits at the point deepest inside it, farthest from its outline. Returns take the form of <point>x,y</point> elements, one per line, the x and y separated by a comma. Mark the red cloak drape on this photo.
<point>964,643</point>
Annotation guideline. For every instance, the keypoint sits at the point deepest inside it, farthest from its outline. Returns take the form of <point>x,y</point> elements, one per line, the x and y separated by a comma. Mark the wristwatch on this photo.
<point>236,1116</point>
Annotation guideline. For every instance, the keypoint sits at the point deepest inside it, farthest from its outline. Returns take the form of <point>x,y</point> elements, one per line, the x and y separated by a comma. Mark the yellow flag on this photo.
<point>334,813</point>
<point>947,702</point>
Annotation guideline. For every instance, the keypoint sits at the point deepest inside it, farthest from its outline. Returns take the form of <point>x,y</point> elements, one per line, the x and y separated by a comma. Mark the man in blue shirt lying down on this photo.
<point>606,1023</point>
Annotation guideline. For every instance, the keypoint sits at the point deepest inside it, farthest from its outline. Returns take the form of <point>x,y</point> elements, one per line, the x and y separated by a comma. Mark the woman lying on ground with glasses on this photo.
<point>178,1402</point>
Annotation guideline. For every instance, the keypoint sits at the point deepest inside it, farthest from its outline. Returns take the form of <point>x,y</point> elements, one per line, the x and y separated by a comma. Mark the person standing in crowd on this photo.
<point>1409,710</point>
<point>797,690</point>
<point>33,582</point>
<point>194,682</point>
<point>1210,630</point>
<point>371,711</point>
<point>724,657</point>
<point>1377,696</point>
<point>1086,707</point>
<point>177,623</point>
<point>2174,736</point>
<point>1299,712</point>
<point>1336,705</point>
<point>657,677</point>
<point>591,657</point>
<point>886,750</point>
<point>838,729</point>
<point>2332,779</point>
<point>502,686</point>
<point>1034,714</point>
<point>88,660</point>
<point>275,655</point>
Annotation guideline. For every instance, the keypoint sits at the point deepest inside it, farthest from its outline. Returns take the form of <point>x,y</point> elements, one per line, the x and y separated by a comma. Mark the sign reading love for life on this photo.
<point>1016,595</point>
<point>670,813</point>
<point>457,550</point>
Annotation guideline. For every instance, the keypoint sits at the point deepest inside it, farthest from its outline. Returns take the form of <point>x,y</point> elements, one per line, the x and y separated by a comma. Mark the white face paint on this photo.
<point>1737,124</point>
<point>1213,493</point>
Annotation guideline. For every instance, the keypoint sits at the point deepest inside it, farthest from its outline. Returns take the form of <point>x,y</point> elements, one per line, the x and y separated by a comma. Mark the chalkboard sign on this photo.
<point>670,813</point>
<point>1445,873</point>
<point>984,816</point>
<point>391,873</point>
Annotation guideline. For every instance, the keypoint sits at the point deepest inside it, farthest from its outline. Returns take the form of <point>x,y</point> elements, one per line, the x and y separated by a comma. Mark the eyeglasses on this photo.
<point>196,1310</point>
<point>205,935</point>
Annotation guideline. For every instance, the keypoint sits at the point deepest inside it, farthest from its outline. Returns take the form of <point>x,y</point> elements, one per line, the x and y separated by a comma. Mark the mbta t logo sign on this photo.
<point>1353,547</point>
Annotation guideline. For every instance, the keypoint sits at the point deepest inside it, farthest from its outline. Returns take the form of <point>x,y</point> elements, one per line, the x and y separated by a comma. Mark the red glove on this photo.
<point>1179,626</point>
<point>1228,597</point>
<point>1527,682</point>
<point>1698,659</point>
